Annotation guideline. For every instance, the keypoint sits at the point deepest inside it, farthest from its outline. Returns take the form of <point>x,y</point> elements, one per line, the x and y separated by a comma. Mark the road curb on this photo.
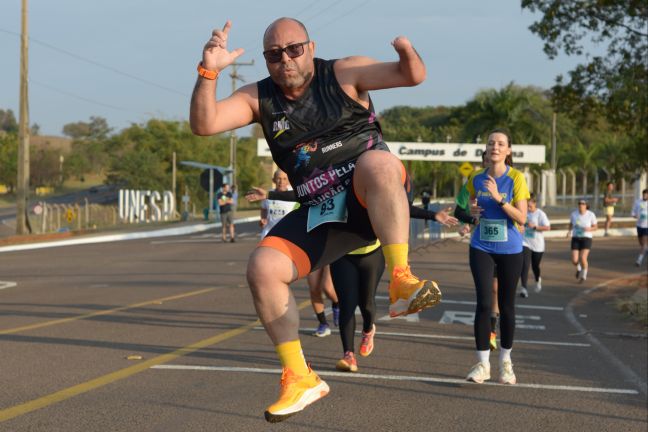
<point>165,232</point>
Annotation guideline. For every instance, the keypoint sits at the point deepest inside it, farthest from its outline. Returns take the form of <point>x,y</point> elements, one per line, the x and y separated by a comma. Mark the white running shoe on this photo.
<point>538,286</point>
<point>479,373</point>
<point>507,376</point>
<point>522,291</point>
<point>639,260</point>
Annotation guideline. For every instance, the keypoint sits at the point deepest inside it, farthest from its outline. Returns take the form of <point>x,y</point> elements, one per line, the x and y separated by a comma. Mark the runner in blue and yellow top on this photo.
<point>499,197</point>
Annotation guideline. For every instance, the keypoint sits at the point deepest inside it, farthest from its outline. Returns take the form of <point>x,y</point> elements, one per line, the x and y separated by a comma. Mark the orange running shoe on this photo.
<point>348,363</point>
<point>367,345</point>
<point>297,392</point>
<point>408,294</point>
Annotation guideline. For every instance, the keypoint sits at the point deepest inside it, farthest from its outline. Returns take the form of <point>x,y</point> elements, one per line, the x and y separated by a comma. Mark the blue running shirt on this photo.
<point>496,232</point>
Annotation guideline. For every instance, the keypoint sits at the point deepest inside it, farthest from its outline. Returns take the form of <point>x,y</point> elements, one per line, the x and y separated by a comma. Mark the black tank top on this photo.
<point>316,139</point>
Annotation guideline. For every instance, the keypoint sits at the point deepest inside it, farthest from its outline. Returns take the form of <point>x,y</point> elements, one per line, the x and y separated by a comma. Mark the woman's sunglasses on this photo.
<point>293,50</point>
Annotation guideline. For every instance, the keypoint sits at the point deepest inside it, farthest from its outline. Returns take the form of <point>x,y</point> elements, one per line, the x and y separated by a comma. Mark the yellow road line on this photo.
<point>103,312</point>
<point>93,384</point>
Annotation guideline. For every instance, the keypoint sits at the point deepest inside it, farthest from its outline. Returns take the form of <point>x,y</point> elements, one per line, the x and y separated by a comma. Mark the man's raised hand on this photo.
<point>216,57</point>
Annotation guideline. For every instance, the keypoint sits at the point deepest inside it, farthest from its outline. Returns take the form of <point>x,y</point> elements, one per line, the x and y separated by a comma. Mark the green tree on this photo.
<point>44,169</point>
<point>525,111</point>
<point>141,157</point>
<point>96,129</point>
<point>88,145</point>
<point>615,83</point>
<point>8,159</point>
<point>8,121</point>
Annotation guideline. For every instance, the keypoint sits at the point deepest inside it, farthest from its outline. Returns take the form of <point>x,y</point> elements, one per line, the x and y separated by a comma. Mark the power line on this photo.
<point>95,63</point>
<point>315,16</point>
<point>75,96</point>
<point>319,13</point>
<point>307,8</point>
<point>342,14</point>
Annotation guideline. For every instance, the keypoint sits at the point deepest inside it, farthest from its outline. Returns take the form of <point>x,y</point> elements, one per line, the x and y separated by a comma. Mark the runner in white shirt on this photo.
<point>533,245</point>
<point>319,281</point>
<point>640,211</point>
<point>582,223</point>
<point>273,210</point>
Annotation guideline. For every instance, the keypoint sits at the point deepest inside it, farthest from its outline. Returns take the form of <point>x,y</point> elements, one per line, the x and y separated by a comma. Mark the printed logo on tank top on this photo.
<point>302,152</point>
<point>322,185</point>
<point>330,147</point>
<point>280,126</point>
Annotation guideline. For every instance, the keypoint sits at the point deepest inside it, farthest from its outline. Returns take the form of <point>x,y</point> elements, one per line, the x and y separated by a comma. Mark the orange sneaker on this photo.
<point>408,294</point>
<point>348,363</point>
<point>297,392</point>
<point>367,345</point>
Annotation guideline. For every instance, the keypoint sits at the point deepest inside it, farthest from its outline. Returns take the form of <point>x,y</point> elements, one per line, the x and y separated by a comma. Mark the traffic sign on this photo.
<point>465,169</point>
<point>69,215</point>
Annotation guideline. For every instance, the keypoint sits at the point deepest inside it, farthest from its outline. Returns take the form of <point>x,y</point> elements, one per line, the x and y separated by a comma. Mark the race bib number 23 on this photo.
<point>332,210</point>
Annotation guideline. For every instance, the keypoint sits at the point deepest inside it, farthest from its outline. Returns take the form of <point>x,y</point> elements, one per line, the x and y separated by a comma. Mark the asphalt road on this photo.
<point>161,335</point>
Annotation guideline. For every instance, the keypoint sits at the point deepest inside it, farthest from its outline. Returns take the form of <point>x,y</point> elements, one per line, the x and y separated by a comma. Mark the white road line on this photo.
<point>409,318</point>
<point>400,378</point>
<point>625,370</point>
<point>472,303</point>
<point>307,330</point>
<point>7,284</point>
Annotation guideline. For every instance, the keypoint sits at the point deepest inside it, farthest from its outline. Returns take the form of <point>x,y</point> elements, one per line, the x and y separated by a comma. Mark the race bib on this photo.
<point>529,233</point>
<point>332,210</point>
<point>579,231</point>
<point>493,230</point>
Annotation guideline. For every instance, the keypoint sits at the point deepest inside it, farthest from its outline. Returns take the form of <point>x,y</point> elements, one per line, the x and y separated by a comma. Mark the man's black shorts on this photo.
<point>327,242</point>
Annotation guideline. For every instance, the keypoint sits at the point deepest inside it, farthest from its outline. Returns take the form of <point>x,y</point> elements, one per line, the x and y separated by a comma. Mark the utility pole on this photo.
<point>235,76</point>
<point>22,185</point>
<point>552,184</point>
<point>173,183</point>
<point>554,163</point>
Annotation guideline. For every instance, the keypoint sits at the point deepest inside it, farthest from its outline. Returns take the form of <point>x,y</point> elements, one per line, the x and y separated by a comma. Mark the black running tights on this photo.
<point>356,278</point>
<point>508,273</point>
<point>533,259</point>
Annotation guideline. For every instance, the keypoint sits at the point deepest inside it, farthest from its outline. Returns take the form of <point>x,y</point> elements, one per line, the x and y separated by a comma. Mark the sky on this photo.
<point>132,60</point>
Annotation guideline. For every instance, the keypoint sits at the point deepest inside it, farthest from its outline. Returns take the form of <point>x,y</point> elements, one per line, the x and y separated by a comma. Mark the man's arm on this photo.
<point>358,75</point>
<point>207,116</point>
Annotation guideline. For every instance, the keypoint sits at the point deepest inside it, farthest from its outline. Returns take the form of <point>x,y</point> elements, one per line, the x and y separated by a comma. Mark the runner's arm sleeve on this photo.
<point>464,216</point>
<point>419,213</point>
<point>288,195</point>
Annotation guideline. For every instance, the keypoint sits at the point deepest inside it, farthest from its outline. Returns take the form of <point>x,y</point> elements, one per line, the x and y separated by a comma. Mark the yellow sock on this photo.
<point>292,357</point>
<point>395,255</point>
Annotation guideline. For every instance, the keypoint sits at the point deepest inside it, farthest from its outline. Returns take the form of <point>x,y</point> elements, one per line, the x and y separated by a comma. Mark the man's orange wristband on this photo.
<point>208,74</point>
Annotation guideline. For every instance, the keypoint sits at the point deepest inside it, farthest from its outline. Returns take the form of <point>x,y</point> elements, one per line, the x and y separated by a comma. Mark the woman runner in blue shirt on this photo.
<point>499,197</point>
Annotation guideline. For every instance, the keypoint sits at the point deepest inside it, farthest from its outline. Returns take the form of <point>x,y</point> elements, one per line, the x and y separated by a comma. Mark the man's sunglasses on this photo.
<point>293,50</point>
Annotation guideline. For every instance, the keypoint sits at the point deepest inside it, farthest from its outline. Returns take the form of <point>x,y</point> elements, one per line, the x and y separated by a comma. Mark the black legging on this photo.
<point>356,278</point>
<point>533,259</point>
<point>508,271</point>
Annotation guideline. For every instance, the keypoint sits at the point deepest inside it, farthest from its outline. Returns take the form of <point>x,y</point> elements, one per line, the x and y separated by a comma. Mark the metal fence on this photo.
<point>48,218</point>
<point>426,233</point>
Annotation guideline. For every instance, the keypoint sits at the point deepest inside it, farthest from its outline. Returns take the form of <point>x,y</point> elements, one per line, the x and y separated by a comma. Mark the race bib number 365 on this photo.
<point>493,230</point>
